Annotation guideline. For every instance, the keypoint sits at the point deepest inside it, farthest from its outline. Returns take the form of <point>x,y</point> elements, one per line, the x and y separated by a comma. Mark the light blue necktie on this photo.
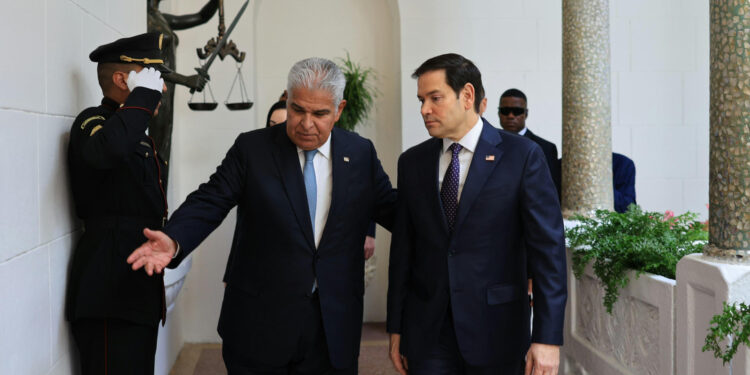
<point>310,185</point>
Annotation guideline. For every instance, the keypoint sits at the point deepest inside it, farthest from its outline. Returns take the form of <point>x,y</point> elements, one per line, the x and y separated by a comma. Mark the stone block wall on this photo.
<point>46,79</point>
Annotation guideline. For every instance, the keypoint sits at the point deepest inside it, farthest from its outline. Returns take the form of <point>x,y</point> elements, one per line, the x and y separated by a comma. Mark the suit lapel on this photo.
<point>430,176</point>
<point>529,135</point>
<point>486,156</point>
<point>287,162</point>
<point>340,160</point>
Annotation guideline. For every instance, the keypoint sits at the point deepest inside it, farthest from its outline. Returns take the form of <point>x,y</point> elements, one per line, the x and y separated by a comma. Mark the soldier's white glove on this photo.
<point>149,78</point>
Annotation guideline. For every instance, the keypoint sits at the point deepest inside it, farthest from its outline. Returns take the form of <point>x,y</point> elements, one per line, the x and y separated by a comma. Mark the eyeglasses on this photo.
<point>517,111</point>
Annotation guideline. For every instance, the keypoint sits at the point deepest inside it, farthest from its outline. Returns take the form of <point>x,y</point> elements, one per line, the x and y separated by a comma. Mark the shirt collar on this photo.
<point>110,103</point>
<point>324,149</point>
<point>470,140</point>
<point>523,131</point>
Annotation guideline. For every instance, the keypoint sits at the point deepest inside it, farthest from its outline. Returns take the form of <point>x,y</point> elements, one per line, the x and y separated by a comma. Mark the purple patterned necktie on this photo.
<point>449,190</point>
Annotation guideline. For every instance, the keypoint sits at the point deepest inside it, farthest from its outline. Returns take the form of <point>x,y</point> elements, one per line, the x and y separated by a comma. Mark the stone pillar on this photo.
<point>729,186</point>
<point>587,133</point>
<point>704,282</point>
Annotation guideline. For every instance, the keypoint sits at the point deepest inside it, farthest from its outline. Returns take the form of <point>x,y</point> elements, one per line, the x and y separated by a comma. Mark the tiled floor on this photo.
<point>205,359</point>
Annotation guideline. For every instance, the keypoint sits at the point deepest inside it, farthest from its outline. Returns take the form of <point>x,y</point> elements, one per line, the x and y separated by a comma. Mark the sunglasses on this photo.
<point>517,111</point>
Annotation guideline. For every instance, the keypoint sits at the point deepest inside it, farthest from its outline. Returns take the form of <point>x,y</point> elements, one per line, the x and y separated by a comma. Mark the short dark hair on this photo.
<point>104,72</point>
<point>458,72</point>
<point>514,93</point>
<point>281,104</point>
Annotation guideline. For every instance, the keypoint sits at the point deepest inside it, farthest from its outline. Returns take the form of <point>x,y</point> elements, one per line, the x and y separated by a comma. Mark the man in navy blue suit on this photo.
<point>623,180</point>
<point>476,205</point>
<point>305,193</point>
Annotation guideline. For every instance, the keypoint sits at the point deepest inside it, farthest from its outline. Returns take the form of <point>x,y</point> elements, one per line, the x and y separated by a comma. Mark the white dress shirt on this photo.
<point>469,145</point>
<point>522,131</point>
<point>324,182</point>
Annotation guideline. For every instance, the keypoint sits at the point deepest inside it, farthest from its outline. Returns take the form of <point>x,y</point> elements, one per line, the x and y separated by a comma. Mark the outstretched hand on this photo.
<point>154,254</point>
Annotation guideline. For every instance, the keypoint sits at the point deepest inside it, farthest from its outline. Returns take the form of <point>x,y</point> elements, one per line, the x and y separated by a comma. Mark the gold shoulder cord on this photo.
<point>95,129</point>
<point>88,120</point>
<point>144,60</point>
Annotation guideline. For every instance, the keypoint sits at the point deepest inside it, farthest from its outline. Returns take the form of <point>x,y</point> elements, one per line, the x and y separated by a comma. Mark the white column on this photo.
<point>702,285</point>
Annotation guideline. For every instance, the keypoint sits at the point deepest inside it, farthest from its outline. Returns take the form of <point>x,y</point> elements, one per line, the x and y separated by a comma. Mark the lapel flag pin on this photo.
<point>489,158</point>
<point>346,159</point>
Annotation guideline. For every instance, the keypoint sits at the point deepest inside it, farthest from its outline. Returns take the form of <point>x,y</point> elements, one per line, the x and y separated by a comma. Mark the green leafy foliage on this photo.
<point>733,323</point>
<point>635,240</point>
<point>358,93</point>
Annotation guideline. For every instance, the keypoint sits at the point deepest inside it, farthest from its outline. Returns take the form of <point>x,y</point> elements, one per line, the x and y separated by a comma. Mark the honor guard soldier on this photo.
<point>115,173</point>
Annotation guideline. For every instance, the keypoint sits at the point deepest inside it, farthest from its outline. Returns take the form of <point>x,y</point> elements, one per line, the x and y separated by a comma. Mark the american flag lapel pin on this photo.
<point>489,158</point>
<point>346,159</point>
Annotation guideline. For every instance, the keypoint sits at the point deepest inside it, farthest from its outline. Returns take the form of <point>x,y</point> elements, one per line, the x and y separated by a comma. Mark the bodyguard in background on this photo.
<point>305,194</point>
<point>116,183</point>
<point>476,205</point>
<point>513,112</point>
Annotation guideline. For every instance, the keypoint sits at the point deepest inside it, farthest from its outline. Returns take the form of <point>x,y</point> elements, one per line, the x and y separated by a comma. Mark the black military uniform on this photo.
<point>116,183</point>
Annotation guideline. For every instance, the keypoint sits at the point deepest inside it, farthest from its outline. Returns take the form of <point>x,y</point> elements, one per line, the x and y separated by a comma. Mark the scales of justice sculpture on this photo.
<point>160,127</point>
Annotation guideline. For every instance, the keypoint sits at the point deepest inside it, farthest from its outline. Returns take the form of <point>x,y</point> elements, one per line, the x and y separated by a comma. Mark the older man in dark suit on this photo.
<point>476,206</point>
<point>305,194</point>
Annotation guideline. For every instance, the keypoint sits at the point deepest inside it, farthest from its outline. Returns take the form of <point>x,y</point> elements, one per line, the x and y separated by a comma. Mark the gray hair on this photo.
<point>316,73</point>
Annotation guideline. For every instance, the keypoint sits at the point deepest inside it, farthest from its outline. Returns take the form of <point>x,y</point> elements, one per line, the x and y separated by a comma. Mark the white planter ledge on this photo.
<point>637,338</point>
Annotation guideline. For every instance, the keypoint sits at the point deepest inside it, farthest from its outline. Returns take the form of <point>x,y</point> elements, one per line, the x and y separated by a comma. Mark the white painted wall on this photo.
<point>660,79</point>
<point>660,95</point>
<point>46,79</point>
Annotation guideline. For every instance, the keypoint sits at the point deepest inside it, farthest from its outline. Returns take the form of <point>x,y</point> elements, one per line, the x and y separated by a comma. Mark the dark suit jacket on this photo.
<point>623,179</point>
<point>274,256</point>
<point>550,154</point>
<point>508,203</point>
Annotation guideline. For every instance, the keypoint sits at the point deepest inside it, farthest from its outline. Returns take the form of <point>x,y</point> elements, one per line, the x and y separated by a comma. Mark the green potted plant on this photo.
<point>635,240</point>
<point>358,93</point>
<point>732,324</point>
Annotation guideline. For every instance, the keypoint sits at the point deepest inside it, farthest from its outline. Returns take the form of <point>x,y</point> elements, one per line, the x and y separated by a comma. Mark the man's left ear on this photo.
<point>120,80</point>
<point>468,96</point>
<point>340,109</point>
